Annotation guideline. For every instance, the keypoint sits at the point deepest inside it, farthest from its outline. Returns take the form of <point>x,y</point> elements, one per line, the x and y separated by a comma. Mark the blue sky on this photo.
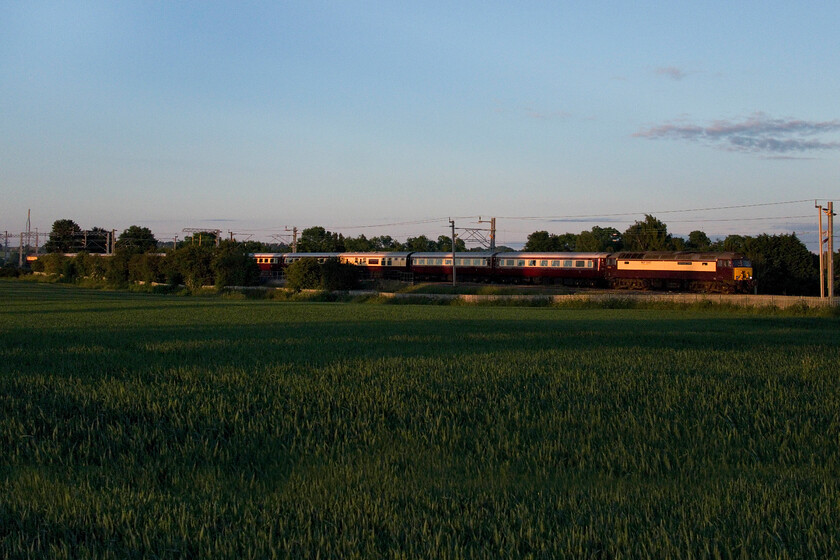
<point>252,116</point>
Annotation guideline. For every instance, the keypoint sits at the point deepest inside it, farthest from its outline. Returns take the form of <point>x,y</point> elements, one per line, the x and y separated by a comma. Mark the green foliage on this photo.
<point>65,237</point>
<point>599,240</point>
<point>52,263</point>
<point>232,266</point>
<point>649,234</point>
<point>318,240</point>
<point>147,268</point>
<point>303,274</point>
<point>542,241</point>
<point>193,264</point>
<point>421,244</point>
<point>137,239</point>
<point>336,276</point>
<point>9,270</point>
<point>782,265</point>
<point>138,425</point>
<point>116,271</point>
<point>698,241</point>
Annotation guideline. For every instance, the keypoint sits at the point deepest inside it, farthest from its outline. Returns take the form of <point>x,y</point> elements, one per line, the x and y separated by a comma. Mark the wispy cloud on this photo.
<point>758,134</point>
<point>670,72</point>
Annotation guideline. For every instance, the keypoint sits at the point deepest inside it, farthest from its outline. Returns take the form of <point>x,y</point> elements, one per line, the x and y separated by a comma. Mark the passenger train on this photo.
<point>723,272</point>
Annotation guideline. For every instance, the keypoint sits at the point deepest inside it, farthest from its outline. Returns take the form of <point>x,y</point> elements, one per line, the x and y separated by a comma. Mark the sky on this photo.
<point>393,117</point>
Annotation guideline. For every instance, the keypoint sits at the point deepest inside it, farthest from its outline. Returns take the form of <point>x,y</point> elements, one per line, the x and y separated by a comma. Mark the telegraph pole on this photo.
<point>822,251</point>
<point>452,223</point>
<point>830,250</point>
<point>826,250</point>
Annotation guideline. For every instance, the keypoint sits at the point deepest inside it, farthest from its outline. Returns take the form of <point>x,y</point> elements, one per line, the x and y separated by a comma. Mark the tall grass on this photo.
<point>140,425</point>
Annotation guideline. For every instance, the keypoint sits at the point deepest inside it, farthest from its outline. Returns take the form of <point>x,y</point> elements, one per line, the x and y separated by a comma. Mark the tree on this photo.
<point>542,241</point>
<point>232,266</point>
<point>444,243</point>
<point>193,264</point>
<point>96,240</point>
<point>318,240</point>
<point>648,235</point>
<point>65,237</point>
<point>420,244</point>
<point>598,240</point>
<point>359,244</point>
<point>303,274</point>
<point>698,241</point>
<point>137,240</point>
<point>782,265</point>
<point>539,241</point>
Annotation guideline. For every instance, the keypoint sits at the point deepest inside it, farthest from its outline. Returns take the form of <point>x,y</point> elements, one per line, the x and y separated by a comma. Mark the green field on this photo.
<point>136,425</point>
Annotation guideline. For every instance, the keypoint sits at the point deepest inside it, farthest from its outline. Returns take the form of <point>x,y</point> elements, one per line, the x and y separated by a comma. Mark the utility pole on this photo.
<point>452,223</point>
<point>6,247</point>
<point>831,250</point>
<point>294,238</point>
<point>492,223</point>
<point>826,250</point>
<point>20,252</point>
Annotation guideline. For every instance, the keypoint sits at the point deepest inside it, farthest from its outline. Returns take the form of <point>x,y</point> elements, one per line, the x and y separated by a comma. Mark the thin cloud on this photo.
<point>670,72</point>
<point>758,134</point>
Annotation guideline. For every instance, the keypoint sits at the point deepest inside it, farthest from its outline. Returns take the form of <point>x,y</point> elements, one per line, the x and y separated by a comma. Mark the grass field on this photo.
<point>136,425</point>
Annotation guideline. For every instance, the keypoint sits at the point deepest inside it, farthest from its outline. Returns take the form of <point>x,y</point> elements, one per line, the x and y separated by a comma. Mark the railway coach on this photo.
<point>571,269</point>
<point>379,265</point>
<point>470,267</point>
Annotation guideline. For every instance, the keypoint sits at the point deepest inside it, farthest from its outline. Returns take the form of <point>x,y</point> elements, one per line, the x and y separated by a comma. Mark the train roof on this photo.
<point>377,254</point>
<point>677,255</point>
<point>313,255</point>
<point>549,256</point>
<point>460,255</point>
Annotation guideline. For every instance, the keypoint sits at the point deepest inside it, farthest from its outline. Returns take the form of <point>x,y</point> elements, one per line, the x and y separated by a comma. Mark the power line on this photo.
<point>655,212</point>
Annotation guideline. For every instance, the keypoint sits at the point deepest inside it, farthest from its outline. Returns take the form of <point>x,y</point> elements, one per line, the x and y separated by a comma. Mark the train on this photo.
<point>705,272</point>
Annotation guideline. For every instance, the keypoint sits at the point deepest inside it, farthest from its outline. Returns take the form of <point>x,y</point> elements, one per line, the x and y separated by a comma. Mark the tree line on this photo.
<point>781,263</point>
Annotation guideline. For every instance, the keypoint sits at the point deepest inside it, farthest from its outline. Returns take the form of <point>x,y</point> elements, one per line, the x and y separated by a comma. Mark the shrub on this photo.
<point>303,274</point>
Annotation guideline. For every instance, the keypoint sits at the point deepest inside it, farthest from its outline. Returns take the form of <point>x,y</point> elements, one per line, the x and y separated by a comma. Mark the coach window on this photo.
<point>532,263</point>
<point>555,264</point>
<point>543,263</point>
<point>580,264</point>
<point>567,264</point>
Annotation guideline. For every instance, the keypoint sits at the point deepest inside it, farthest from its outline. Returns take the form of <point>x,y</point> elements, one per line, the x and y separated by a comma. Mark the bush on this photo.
<point>337,276</point>
<point>146,268</point>
<point>53,263</point>
<point>303,274</point>
<point>9,270</point>
<point>232,266</point>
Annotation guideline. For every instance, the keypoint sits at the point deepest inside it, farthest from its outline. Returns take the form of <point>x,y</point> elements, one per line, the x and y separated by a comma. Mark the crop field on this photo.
<point>148,426</point>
